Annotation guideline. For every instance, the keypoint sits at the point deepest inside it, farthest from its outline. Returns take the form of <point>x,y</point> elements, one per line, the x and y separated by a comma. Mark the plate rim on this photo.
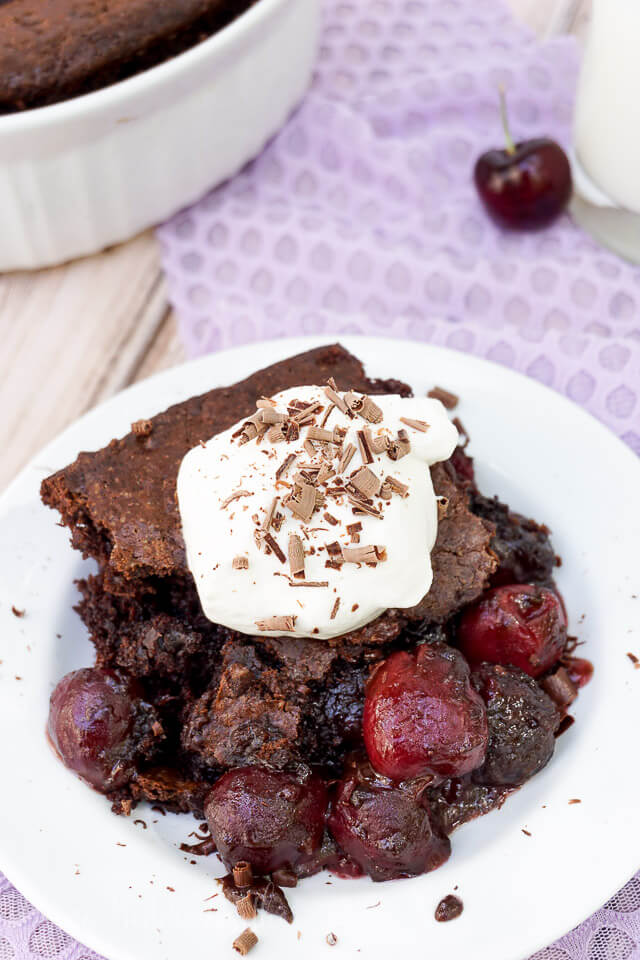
<point>287,347</point>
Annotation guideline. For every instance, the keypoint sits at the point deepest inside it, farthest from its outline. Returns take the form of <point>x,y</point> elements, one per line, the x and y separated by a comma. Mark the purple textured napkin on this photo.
<point>361,217</point>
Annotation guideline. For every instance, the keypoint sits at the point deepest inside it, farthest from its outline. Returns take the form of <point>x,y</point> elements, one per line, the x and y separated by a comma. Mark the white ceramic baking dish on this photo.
<point>81,175</point>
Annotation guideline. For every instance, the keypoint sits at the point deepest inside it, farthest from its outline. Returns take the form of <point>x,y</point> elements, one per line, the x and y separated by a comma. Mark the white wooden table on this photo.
<point>73,335</point>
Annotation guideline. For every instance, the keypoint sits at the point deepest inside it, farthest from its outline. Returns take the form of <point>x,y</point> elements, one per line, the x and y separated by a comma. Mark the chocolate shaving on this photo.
<point>334,549</point>
<point>317,433</point>
<point>240,563</point>
<point>141,428</point>
<point>338,434</point>
<point>270,415</point>
<point>245,942</point>
<point>325,473</point>
<point>448,400</point>
<point>365,444</point>
<point>634,660</point>
<point>236,495</point>
<point>368,554</point>
<point>309,448</point>
<point>330,518</point>
<point>320,499</point>
<point>276,433</point>
<point>380,444</point>
<point>399,447</point>
<point>264,403</point>
<point>370,410</point>
<point>564,725</point>
<point>360,507</point>
<point>246,907</point>
<point>292,431</point>
<point>421,425</point>
<point>327,414</point>
<point>284,466</point>
<point>308,583</point>
<point>17,613</point>
<point>307,413</point>
<point>400,488</point>
<point>272,544</point>
<point>346,457</point>
<point>354,530</point>
<point>332,394</point>
<point>302,501</point>
<point>242,874</point>
<point>285,623</point>
<point>296,555</point>
<point>334,609</point>
<point>385,491</point>
<point>365,482</point>
<point>560,687</point>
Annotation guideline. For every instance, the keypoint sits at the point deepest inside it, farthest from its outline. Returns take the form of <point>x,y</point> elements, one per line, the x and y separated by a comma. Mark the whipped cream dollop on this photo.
<point>317,513</point>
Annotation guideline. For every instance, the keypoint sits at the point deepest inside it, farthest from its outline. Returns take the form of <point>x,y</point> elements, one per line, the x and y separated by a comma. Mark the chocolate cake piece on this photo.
<point>462,558</point>
<point>51,50</point>
<point>120,502</point>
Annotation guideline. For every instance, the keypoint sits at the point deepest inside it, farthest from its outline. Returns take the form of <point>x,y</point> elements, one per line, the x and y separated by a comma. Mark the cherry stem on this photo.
<point>511,147</point>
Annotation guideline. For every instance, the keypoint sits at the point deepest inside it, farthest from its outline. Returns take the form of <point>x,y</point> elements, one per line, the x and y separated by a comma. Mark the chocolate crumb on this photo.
<point>448,400</point>
<point>526,832</point>
<point>141,428</point>
<point>575,800</point>
<point>144,826</point>
<point>330,519</point>
<point>334,609</point>
<point>17,613</point>
<point>171,889</point>
<point>449,908</point>
<point>245,942</point>
<point>234,496</point>
<point>332,939</point>
<point>634,660</point>
<point>354,529</point>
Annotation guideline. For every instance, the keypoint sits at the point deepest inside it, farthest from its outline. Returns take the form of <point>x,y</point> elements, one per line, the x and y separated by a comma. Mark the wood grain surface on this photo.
<point>73,335</point>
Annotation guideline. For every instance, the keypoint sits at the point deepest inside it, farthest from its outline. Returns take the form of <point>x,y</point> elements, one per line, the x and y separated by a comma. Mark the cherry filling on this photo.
<point>521,624</point>
<point>422,716</point>
<point>383,827</point>
<point>268,818</point>
<point>100,726</point>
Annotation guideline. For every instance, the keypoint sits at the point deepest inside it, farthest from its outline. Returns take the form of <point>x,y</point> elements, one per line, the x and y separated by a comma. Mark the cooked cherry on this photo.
<point>525,186</point>
<point>269,818</point>
<point>383,827</point>
<point>522,724</point>
<point>521,624</point>
<point>99,726</point>
<point>422,716</point>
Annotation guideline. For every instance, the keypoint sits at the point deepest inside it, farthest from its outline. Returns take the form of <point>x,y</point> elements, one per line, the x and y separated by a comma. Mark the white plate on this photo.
<point>104,878</point>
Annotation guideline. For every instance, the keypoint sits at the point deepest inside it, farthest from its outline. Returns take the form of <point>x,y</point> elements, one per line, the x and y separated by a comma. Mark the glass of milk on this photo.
<point>607,128</point>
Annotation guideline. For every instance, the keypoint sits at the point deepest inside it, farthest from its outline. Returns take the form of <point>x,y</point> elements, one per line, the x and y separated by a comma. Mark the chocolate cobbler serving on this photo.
<point>311,628</point>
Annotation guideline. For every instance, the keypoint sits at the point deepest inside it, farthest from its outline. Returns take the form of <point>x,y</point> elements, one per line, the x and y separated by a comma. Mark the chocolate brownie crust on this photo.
<point>51,50</point>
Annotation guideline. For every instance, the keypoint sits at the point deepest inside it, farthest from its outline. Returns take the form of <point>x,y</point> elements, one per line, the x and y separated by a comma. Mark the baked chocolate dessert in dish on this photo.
<point>311,628</point>
<point>52,50</point>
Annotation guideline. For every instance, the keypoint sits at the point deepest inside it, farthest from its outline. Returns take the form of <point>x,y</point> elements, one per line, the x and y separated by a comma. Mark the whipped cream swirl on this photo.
<point>317,514</point>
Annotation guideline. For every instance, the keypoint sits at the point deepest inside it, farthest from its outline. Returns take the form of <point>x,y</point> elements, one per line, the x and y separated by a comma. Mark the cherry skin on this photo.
<point>382,827</point>
<point>519,624</point>
<point>422,716</point>
<point>96,721</point>
<point>526,189</point>
<point>269,818</point>
<point>525,186</point>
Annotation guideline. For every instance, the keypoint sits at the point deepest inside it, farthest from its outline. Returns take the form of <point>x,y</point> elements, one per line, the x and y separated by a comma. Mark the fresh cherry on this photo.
<point>521,624</point>
<point>422,716</point>
<point>99,725</point>
<point>269,818</point>
<point>522,725</point>
<point>383,827</point>
<point>526,185</point>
